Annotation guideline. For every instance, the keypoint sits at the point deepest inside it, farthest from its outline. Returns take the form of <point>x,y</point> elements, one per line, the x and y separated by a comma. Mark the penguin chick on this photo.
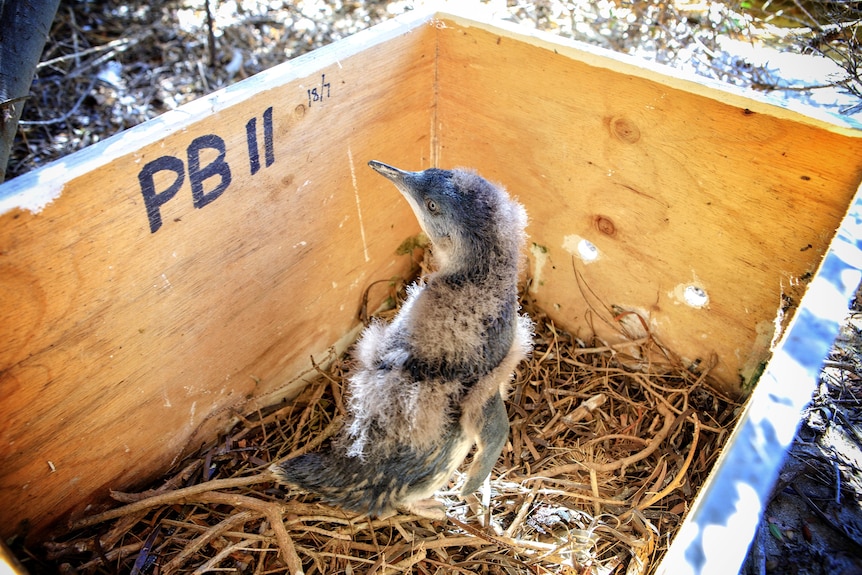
<point>430,385</point>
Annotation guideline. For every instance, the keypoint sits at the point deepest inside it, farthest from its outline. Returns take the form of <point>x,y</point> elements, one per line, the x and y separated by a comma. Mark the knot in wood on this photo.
<point>605,225</point>
<point>625,130</point>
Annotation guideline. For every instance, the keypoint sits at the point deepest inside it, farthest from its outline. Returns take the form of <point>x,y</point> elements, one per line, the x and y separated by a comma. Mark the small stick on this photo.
<point>221,555</point>
<point>284,541</point>
<point>609,436</point>
<point>675,482</point>
<point>306,413</point>
<point>513,544</point>
<point>272,511</point>
<point>197,544</point>
<point>112,45</point>
<point>112,555</point>
<point>626,461</point>
<point>328,432</point>
<point>170,485</point>
<point>170,497</point>
<point>210,35</point>
<point>850,540</point>
<point>195,527</point>
<point>522,512</point>
<point>581,496</point>
<point>594,486</point>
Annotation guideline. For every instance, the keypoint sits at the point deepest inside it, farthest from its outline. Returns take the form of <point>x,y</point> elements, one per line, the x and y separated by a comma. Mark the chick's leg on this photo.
<point>427,508</point>
<point>493,435</point>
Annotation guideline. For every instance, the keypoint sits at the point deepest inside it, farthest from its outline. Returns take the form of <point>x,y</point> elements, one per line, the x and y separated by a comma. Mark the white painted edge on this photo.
<point>34,190</point>
<point>717,532</point>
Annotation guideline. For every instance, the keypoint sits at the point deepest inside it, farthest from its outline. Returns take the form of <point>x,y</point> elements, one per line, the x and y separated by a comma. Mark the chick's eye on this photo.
<point>431,205</point>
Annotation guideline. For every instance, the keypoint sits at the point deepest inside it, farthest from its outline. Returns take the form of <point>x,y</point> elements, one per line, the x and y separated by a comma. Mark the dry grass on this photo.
<point>606,453</point>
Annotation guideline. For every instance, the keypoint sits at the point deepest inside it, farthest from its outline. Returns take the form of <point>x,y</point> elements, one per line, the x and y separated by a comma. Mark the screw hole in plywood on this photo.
<point>582,248</point>
<point>695,296</point>
<point>587,251</point>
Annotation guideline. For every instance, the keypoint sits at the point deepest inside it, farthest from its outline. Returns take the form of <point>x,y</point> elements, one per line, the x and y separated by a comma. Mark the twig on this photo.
<point>196,545</point>
<point>221,555</point>
<point>675,482</point>
<point>178,495</point>
<point>508,543</point>
<point>211,50</point>
<point>68,114</point>
<point>851,541</point>
<point>624,462</point>
<point>272,511</point>
<point>308,412</point>
<point>113,555</point>
<point>284,541</point>
<point>112,45</point>
<point>406,564</point>
<point>330,430</point>
<point>522,512</point>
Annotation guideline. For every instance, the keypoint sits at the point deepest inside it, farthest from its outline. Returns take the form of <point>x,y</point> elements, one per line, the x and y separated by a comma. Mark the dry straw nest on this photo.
<point>607,450</point>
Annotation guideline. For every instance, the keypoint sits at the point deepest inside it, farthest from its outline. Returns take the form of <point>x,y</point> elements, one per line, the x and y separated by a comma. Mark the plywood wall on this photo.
<point>678,186</point>
<point>159,291</point>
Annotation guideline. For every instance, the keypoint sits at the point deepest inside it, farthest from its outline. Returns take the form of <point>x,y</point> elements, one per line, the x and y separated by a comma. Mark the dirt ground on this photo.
<point>813,522</point>
<point>110,65</point>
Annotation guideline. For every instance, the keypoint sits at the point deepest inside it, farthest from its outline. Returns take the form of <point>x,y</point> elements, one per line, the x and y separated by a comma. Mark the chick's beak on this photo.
<point>390,172</point>
<point>407,184</point>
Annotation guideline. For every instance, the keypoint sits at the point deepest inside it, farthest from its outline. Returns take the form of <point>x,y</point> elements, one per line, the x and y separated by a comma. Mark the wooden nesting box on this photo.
<point>187,269</point>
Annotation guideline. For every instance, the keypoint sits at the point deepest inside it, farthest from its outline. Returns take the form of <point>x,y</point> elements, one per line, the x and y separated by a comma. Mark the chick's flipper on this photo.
<point>493,434</point>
